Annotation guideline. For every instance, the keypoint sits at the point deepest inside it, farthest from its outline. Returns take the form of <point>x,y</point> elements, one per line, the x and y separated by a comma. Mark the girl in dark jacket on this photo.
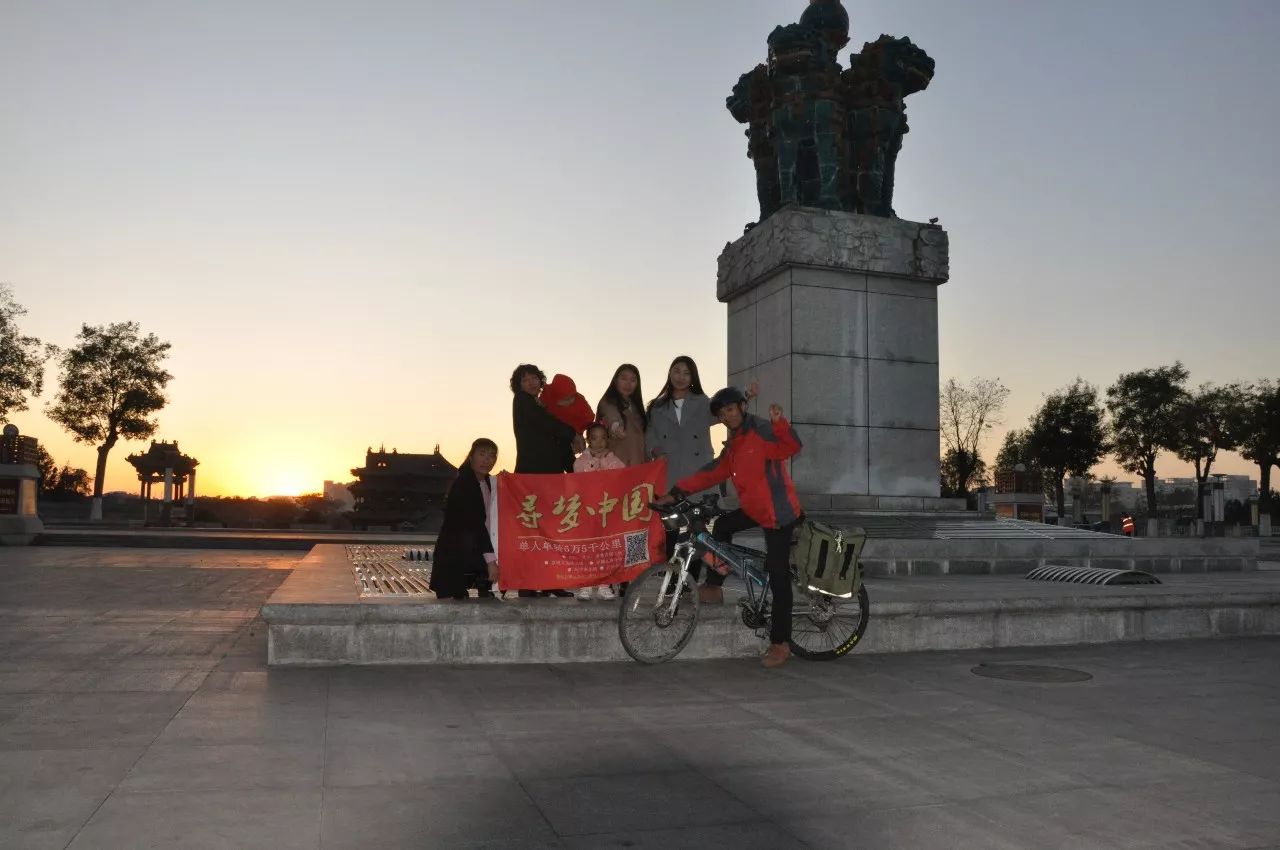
<point>464,556</point>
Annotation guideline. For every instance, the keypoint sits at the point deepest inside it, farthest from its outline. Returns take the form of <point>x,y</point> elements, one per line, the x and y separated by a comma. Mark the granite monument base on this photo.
<point>835,314</point>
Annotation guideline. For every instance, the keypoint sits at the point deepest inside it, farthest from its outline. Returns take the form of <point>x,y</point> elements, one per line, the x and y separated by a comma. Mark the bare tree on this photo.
<point>966,414</point>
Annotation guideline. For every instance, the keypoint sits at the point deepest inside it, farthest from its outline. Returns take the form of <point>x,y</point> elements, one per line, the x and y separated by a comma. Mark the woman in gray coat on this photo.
<point>680,422</point>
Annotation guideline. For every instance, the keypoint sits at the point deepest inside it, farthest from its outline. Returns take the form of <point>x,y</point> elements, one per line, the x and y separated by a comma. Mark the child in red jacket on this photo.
<point>563,401</point>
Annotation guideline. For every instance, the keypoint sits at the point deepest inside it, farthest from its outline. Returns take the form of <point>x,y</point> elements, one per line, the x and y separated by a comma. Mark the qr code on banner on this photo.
<point>637,548</point>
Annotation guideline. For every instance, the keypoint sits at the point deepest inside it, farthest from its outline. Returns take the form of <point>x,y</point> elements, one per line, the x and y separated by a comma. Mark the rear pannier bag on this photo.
<point>826,558</point>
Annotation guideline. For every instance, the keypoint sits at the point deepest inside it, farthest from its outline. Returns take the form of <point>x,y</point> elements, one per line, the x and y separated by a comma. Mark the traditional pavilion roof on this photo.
<point>161,456</point>
<point>394,464</point>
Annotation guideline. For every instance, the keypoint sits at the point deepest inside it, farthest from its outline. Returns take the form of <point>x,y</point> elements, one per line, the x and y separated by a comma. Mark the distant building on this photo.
<point>1239,488</point>
<point>340,495</point>
<point>1019,495</point>
<point>400,492</point>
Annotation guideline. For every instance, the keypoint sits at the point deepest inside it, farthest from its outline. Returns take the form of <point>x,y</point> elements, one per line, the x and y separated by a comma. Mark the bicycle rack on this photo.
<point>1090,575</point>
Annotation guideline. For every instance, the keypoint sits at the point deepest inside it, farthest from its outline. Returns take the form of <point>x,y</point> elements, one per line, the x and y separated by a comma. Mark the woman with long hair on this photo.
<point>464,554</point>
<point>621,409</point>
<point>680,422</point>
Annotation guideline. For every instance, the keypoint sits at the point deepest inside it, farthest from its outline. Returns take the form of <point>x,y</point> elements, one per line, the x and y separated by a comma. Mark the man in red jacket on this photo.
<point>755,458</point>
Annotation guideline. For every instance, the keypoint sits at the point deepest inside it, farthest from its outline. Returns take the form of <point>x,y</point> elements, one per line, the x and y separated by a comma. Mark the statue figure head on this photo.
<point>896,61</point>
<point>829,18</point>
<point>739,101</point>
<point>796,49</point>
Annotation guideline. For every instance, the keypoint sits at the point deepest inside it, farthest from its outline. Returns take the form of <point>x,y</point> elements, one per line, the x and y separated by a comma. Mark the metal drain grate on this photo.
<point>387,571</point>
<point>1031,673</point>
<point>1091,575</point>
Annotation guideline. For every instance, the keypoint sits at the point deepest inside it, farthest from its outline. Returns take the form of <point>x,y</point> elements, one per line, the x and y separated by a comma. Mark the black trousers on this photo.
<point>777,561</point>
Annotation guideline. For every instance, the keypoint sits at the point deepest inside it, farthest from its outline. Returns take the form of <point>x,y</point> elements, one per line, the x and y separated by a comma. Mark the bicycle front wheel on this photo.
<point>825,627</point>
<point>658,614</point>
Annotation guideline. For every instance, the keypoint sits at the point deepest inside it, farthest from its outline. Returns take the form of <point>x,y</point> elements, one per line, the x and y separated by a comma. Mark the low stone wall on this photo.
<point>318,618</point>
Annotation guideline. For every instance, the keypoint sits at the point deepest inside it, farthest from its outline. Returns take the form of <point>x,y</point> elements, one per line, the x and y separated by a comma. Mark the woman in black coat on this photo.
<point>544,444</point>
<point>464,554</point>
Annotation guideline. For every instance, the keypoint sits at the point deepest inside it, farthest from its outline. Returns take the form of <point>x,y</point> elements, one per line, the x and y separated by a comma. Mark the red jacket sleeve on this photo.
<point>709,475</point>
<point>785,443</point>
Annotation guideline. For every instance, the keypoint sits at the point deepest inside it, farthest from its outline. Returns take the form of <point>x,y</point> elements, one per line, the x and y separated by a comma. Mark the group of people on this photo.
<point>556,433</point>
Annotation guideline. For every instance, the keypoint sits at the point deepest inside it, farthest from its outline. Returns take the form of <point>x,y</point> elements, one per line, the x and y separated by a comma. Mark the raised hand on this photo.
<point>775,412</point>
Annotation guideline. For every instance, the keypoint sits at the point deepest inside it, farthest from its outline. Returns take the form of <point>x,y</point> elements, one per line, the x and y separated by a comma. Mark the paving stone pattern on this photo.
<point>136,710</point>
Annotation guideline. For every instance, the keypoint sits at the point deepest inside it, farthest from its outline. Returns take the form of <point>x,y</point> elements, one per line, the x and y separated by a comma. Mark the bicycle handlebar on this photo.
<point>708,505</point>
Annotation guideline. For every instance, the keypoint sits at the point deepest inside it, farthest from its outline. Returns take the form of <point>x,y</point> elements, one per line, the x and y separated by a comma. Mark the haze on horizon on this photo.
<point>353,220</point>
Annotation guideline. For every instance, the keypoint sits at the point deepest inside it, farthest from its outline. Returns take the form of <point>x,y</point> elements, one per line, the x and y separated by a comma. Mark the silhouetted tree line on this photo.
<point>1145,414</point>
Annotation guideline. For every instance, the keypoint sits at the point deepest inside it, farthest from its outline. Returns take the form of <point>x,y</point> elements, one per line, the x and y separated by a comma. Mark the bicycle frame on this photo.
<point>748,562</point>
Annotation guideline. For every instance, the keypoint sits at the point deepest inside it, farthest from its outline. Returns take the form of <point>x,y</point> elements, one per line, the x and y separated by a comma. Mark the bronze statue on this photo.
<point>819,135</point>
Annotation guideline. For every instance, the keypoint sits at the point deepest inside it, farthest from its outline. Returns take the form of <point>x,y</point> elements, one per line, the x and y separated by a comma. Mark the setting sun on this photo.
<point>289,483</point>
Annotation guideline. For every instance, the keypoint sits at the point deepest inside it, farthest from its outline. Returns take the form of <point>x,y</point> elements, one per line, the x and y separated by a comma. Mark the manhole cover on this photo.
<point>1030,673</point>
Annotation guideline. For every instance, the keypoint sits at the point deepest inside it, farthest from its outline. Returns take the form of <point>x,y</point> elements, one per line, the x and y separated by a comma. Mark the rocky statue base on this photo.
<point>836,315</point>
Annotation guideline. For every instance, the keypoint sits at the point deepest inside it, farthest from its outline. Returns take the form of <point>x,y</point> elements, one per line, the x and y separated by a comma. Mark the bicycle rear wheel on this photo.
<point>825,627</point>
<point>657,617</point>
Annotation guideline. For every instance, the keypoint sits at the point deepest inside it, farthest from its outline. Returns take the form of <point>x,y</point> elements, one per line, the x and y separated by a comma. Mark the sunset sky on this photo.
<point>352,220</point>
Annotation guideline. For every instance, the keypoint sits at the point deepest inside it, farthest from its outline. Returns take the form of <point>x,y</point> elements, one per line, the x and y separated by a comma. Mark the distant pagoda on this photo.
<point>400,491</point>
<point>163,463</point>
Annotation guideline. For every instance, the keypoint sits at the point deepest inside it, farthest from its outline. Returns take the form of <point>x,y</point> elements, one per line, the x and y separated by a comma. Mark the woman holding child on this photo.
<point>544,444</point>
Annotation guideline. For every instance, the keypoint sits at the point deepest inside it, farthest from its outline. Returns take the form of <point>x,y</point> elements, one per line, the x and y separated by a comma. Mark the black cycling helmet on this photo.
<point>728,395</point>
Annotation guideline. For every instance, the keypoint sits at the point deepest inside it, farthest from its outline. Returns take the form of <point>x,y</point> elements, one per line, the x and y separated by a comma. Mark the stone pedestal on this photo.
<point>836,315</point>
<point>19,523</point>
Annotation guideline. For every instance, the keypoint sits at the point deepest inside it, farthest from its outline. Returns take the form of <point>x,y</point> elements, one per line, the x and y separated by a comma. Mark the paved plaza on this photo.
<point>136,710</point>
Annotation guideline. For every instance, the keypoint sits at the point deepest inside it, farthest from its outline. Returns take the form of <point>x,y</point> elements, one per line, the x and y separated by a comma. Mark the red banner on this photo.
<point>579,529</point>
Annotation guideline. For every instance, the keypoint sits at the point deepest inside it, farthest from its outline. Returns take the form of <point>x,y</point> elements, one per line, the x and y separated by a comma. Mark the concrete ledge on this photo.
<point>317,618</point>
<point>231,538</point>
<point>856,502</point>
<point>993,556</point>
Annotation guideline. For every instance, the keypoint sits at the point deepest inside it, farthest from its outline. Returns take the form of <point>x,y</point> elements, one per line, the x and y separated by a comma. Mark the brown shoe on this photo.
<point>710,594</point>
<point>776,654</point>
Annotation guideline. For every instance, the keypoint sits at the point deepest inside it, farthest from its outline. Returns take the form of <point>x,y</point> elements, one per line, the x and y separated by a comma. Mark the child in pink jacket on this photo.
<point>597,457</point>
